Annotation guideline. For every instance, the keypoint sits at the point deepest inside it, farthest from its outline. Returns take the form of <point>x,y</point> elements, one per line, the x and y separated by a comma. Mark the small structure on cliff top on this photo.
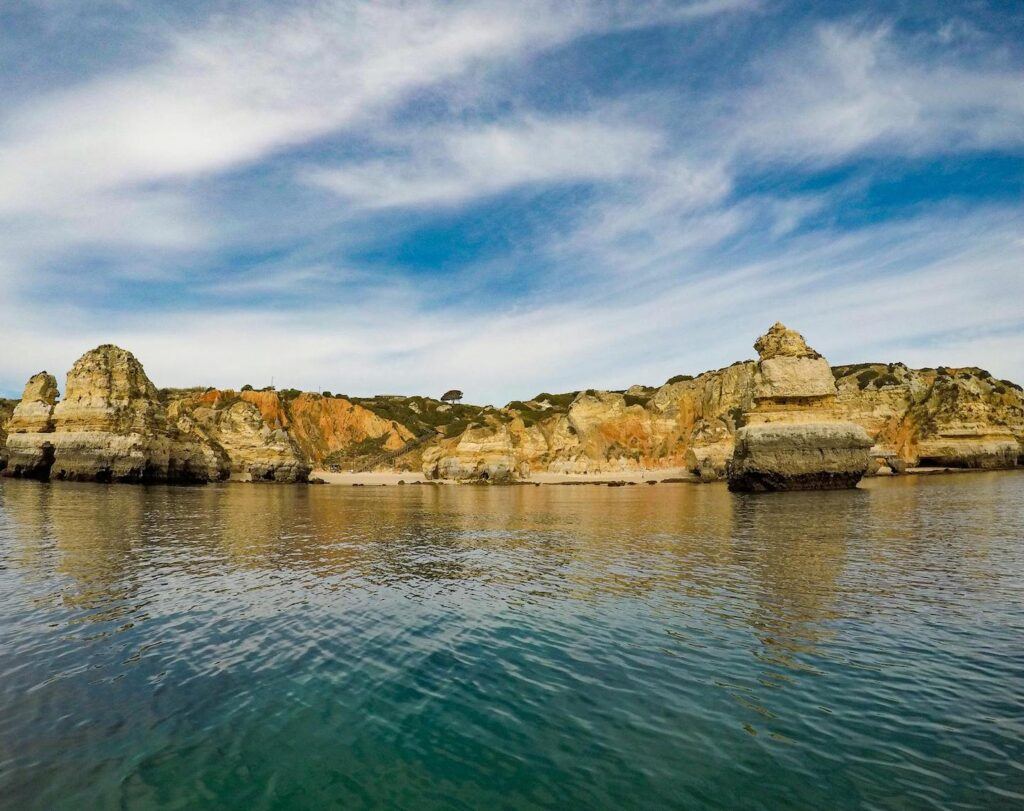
<point>794,438</point>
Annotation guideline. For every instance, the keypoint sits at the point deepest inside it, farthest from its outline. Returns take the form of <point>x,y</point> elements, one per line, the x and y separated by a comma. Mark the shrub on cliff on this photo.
<point>865,377</point>
<point>453,429</point>
<point>557,400</point>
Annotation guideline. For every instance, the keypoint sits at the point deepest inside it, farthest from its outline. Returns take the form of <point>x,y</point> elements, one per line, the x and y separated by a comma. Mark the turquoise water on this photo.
<point>471,647</point>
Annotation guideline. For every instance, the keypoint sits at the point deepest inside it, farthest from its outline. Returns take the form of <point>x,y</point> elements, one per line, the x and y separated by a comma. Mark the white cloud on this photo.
<point>944,287</point>
<point>668,269</point>
<point>244,87</point>
<point>848,89</point>
<point>450,165</point>
<point>110,161</point>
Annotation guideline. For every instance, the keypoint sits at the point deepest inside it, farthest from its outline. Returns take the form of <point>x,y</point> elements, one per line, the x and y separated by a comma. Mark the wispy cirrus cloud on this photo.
<point>512,196</point>
<point>852,89</point>
<point>454,164</point>
<point>243,87</point>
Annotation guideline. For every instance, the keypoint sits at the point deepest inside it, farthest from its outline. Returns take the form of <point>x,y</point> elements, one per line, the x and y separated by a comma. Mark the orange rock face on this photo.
<point>324,425</point>
<point>320,426</point>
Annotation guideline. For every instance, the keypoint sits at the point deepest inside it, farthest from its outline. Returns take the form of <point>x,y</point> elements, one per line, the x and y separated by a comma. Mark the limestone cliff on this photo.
<point>603,432</point>
<point>109,427</point>
<point>253,446</point>
<point>113,424</point>
<point>935,417</point>
<point>795,438</point>
<point>324,427</point>
<point>6,410</point>
<point>945,417</point>
<point>33,414</point>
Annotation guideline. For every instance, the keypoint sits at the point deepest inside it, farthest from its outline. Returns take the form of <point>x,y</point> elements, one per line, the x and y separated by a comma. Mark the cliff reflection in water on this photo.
<point>439,646</point>
<point>783,559</point>
<point>775,556</point>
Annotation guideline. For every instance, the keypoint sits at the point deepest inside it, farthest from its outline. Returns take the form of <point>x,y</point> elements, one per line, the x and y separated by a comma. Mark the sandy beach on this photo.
<point>668,475</point>
<point>389,478</point>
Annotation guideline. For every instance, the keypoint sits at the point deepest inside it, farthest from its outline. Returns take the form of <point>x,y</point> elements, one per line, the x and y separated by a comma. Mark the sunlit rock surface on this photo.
<point>794,438</point>
<point>23,455</point>
<point>114,425</point>
<point>109,426</point>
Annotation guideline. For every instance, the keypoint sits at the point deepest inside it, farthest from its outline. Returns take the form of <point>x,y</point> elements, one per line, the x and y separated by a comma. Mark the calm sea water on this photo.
<point>470,647</point>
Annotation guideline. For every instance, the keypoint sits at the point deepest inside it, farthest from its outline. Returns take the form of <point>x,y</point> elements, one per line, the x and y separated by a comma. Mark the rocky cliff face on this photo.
<point>33,414</point>
<point>946,417</point>
<point>603,432</point>
<point>794,438</point>
<point>114,425</point>
<point>935,417</point>
<point>109,427</point>
<point>251,447</point>
<point>6,411</point>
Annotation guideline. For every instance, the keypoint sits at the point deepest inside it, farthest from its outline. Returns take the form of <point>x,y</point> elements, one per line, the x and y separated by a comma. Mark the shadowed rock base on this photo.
<point>769,482</point>
<point>774,457</point>
<point>27,459</point>
<point>827,456</point>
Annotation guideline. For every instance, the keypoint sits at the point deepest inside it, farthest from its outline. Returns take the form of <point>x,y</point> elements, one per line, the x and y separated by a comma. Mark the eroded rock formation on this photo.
<point>794,438</point>
<point>110,426</point>
<point>256,447</point>
<point>114,425</point>
<point>6,410</point>
<point>946,417</point>
<point>943,417</point>
<point>24,456</point>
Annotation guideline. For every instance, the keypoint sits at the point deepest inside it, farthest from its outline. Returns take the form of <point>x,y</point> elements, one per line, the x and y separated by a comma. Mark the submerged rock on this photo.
<point>794,439</point>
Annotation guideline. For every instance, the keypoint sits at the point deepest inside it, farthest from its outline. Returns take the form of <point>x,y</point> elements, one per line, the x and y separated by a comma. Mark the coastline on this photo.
<point>656,476</point>
<point>389,478</point>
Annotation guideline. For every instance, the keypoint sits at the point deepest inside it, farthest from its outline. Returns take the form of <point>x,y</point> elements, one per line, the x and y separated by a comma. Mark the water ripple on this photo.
<point>674,646</point>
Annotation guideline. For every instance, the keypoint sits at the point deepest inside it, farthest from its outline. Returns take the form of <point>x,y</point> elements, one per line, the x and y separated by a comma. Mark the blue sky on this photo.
<point>507,197</point>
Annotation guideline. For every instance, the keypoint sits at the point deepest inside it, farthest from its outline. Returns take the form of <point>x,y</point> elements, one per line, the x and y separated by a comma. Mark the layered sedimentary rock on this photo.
<point>6,410</point>
<point>325,426</point>
<point>109,427</point>
<point>603,432</point>
<point>114,425</point>
<point>934,417</point>
<point>270,436</point>
<point>254,447</point>
<point>944,417</point>
<point>794,438</point>
<point>33,414</point>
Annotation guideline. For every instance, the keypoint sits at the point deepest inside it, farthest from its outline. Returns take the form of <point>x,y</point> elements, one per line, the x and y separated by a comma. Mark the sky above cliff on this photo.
<point>507,197</point>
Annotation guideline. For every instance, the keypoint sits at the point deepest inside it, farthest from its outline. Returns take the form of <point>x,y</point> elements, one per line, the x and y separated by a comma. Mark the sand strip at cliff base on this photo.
<point>637,476</point>
<point>369,479</point>
<point>388,478</point>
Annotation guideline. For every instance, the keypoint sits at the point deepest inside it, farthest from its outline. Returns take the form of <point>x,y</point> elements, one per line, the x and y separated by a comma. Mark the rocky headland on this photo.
<point>787,420</point>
